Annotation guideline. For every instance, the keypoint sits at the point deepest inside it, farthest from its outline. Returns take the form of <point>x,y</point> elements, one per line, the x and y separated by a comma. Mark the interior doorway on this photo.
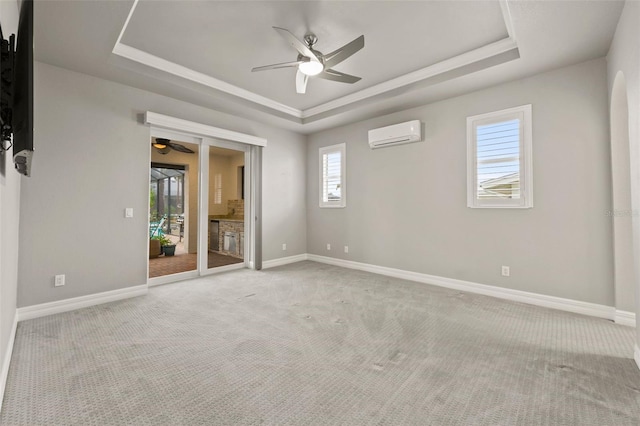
<point>622,213</point>
<point>173,209</point>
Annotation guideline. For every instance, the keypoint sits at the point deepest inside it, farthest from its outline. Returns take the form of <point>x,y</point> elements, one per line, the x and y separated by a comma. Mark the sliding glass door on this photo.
<point>199,204</point>
<point>173,208</point>
<point>225,231</point>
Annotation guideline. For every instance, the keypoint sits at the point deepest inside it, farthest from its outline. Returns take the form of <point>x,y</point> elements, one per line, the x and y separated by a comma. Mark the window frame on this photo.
<point>524,114</point>
<point>342,149</point>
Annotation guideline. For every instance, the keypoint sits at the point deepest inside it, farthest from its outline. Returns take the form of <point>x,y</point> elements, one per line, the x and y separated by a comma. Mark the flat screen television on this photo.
<point>6,89</point>
<point>22,114</point>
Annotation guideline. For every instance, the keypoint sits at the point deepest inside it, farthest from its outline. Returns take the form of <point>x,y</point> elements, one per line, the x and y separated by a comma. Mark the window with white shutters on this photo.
<point>332,176</point>
<point>217,188</point>
<point>499,159</point>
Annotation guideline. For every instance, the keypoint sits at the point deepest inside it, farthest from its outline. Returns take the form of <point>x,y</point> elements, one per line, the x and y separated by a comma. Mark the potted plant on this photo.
<point>165,245</point>
<point>155,248</point>
<point>168,246</point>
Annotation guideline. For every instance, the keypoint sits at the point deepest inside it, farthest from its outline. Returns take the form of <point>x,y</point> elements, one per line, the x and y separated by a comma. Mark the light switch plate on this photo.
<point>59,280</point>
<point>128,212</point>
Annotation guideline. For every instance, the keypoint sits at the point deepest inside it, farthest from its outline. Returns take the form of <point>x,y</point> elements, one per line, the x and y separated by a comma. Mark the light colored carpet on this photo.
<point>313,344</point>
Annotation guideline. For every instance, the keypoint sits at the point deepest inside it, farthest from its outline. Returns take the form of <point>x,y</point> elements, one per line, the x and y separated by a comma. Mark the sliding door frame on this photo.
<point>206,136</point>
<point>168,134</point>
<point>249,226</point>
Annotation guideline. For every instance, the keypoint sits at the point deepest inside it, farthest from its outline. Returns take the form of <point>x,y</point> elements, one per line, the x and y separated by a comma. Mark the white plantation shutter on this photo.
<point>332,176</point>
<point>499,158</point>
<point>217,188</point>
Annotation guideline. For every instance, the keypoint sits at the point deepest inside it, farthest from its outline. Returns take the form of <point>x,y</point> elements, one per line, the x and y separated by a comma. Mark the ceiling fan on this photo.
<point>312,63</point>
<point>164,146</point>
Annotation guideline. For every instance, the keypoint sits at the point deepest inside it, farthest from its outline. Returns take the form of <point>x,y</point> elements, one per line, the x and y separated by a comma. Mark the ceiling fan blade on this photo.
<point>180,148</point>
<point>333,75</point>
<point>276,66</point>
<point>301,82</point>
<point>339,55</point>
<point>302,48</point>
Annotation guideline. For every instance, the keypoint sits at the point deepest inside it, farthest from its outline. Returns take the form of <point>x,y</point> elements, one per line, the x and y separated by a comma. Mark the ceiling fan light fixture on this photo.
<point>164,150</point>
<point>160,143</point>
<point>311,68</point>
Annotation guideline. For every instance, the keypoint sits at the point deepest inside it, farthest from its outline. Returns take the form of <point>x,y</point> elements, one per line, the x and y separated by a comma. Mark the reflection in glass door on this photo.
<point>173,209</point>
<point>226,207</point>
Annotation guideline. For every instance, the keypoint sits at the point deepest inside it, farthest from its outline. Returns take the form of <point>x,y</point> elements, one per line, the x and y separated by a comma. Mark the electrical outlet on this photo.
<point>328,246</point>
<point>505,271</point>
<point>284,246</point>
<point>59,280</point>
<point>346,249</point>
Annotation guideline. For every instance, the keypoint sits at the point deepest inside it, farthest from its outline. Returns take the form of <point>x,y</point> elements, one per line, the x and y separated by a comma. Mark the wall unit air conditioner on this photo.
<point>408,132</point>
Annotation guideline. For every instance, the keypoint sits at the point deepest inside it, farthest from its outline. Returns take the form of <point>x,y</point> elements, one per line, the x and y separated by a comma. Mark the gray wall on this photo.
<point>624,56</point>
<point>9,217</point>
<point>92,161</point>
<point>406,205</point>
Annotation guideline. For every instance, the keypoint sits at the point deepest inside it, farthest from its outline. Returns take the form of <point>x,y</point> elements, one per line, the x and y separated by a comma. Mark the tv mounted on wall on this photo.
<point>23,91</point>
<point>6,90</point>
<point>16,94</point>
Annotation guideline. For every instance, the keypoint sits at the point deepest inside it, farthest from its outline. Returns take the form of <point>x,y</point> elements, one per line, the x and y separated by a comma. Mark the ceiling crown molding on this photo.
<point>327,109</point>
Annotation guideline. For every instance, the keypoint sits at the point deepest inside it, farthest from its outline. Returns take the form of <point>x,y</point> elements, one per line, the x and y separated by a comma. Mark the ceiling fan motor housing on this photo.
<point>310,39</point>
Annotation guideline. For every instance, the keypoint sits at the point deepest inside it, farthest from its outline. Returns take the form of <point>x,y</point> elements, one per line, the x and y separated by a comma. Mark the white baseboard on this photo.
<point>569,305</point>
<point>636,355</point>
<point>625,318</point>
<point>6,360</point>
<point>44,309</point>
<point>284,261</point>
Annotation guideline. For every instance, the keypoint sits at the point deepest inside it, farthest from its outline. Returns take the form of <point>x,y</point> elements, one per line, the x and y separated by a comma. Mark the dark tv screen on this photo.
<point>6,88</point>
<point>22,114</point>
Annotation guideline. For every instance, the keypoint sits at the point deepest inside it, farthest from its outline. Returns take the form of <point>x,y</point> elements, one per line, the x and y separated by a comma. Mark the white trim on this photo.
<point>203,208</point>
<point>164,65</point>
<point>180,125</point>
<point>6,361</point>
<point>464,59</point>
<point>158,132</point>
<point>126,24</point>
<point>625,318</point>
<point>506,16</point>
<point>66,305</point>
<point>636,355</point>
<point>284,260</point>
<point>569,305</point>
<point>467,58</point>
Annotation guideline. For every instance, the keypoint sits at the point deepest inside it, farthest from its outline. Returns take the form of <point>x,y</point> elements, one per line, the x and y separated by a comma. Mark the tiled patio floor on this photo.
<point>183,261</point>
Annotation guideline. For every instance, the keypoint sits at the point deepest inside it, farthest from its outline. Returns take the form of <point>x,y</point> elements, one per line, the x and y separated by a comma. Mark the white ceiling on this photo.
<point>415,51</point>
